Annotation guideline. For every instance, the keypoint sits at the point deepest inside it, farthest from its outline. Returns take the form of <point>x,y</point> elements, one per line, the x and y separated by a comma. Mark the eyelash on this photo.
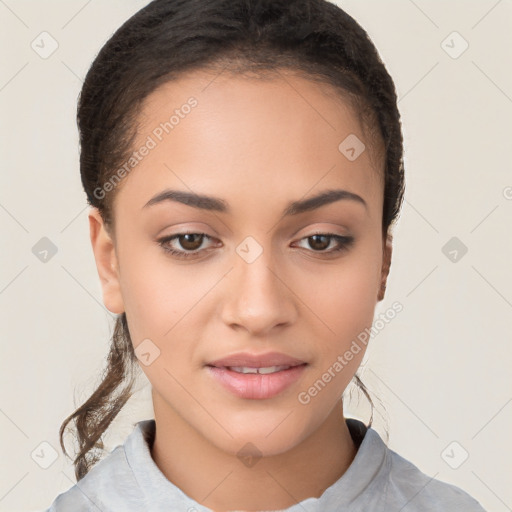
<point>344,243</point>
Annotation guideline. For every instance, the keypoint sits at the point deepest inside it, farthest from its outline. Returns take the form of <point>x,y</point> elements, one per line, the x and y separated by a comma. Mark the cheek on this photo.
<point>344,299</point>
<point>161,303</point>
<point>344,296</point>
<point>344,304</point>
<point>350,300</point>
<point>161,296</point>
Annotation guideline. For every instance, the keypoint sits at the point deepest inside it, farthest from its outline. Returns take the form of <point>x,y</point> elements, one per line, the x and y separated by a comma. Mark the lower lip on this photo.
<point>254,385</point>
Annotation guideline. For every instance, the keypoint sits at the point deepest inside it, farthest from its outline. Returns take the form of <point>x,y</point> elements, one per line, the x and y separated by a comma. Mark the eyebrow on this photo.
<point>216,204</point>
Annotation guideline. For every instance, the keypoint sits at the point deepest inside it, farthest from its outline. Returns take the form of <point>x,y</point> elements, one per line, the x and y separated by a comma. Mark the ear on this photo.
<point>106,262</point>
<point>386,264</point>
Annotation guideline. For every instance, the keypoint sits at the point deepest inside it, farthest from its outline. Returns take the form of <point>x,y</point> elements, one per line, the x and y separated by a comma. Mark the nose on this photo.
<point>258,297</point>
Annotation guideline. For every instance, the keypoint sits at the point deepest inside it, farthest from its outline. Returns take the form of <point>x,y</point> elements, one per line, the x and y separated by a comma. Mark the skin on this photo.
<point>258,145</point>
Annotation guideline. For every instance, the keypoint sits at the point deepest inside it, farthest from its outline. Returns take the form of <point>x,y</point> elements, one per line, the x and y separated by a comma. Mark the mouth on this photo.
<point>257,383</point>
<point>264,370</point>
<point>246,360</point>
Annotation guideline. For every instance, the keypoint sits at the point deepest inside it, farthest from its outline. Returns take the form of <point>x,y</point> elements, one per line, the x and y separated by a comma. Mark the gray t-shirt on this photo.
<point>378,479</point>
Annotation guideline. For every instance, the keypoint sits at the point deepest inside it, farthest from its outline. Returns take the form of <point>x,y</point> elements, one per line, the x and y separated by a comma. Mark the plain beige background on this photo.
<point>441,368</point>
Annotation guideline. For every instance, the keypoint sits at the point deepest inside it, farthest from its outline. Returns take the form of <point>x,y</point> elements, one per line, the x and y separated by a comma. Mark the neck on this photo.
<point>218,480</point>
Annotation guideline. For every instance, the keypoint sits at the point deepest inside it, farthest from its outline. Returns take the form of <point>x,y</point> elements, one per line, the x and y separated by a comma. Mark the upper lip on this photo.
<point>256,360</point>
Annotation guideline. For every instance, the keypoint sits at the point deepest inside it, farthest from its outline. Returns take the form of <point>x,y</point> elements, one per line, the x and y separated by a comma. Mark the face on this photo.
<point>252,275</point>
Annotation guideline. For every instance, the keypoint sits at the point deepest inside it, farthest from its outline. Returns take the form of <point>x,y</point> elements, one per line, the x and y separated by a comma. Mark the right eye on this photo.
<point>190,243</point>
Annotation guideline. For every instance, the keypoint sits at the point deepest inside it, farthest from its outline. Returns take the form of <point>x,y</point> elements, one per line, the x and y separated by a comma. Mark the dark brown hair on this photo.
<point>166,39</point>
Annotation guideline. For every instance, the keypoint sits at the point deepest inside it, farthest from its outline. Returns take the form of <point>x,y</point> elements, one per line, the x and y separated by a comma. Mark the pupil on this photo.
<point>189,243</point>
<point>316,238</point>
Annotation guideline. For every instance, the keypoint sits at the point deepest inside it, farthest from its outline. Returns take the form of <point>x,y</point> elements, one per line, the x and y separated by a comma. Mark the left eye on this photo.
<point>321,241</point>
<point>191,243</point>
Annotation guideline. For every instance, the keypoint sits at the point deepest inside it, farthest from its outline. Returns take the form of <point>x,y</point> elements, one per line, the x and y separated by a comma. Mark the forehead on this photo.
<point>281,136</point>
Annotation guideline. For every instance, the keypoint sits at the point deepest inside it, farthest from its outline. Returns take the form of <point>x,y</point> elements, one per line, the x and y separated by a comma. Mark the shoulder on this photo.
<point>407,485</point>
<point>109,483</point>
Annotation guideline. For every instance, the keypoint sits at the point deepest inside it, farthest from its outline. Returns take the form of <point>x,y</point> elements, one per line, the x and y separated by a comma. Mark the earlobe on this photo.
<point>106,262</point>
<point>386,264</point>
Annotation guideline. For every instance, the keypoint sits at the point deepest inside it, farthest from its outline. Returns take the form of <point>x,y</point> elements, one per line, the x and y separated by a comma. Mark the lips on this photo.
<point>256,386</point>
<point>247,360</point>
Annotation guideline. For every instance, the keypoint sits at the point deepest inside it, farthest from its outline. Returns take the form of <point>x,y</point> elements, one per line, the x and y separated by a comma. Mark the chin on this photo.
<point>266,433</point>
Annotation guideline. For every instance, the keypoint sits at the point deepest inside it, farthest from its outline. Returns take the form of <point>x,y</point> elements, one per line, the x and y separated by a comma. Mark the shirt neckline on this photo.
<point>370,459</point>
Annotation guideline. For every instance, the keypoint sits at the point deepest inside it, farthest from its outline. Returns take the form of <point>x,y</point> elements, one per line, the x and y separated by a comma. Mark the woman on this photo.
<point>243,164</point>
